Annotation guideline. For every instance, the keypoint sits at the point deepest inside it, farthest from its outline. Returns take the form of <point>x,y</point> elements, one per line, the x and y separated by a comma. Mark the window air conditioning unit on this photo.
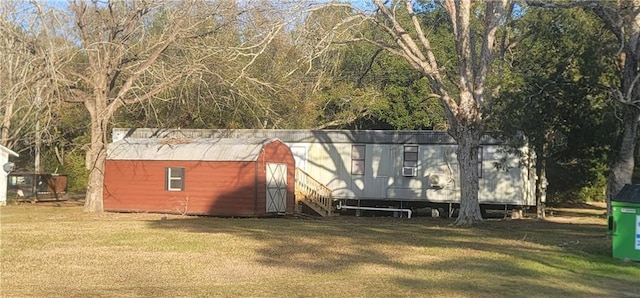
<point>437,181</point>
<point>409,171</point>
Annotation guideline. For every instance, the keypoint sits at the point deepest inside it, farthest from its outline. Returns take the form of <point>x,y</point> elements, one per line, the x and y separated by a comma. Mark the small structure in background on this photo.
<point>220,177</point>
<point>7,167</point>
<point>28,186</point>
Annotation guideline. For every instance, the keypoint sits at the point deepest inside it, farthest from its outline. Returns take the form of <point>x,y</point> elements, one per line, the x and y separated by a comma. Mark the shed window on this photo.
<point>174,179</point>
<point>357,159</point>
<point>410,157</point>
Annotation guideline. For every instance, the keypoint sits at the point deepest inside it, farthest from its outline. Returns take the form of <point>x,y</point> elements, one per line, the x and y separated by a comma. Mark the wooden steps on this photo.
<point>314,195</point>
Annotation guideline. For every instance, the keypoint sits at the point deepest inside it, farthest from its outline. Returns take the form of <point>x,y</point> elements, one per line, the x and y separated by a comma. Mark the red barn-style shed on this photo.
<point>220,177</point>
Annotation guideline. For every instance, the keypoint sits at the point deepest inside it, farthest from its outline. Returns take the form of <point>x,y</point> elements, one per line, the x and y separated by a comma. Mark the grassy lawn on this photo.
<point>49,251</point>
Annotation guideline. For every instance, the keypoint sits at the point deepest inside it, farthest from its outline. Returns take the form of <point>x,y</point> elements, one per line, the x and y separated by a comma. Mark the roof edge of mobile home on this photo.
<point>303,135</point>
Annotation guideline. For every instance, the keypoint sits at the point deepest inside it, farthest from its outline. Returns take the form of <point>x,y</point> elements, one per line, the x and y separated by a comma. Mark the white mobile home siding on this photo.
<point>383,178</point>
<point>4,158</point>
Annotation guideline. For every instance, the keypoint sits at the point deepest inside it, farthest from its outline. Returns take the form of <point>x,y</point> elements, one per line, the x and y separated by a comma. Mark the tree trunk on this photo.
<point>468,138</point>
<point>541,179</point>
<point>5,127</point>
<point>93,199</point>
<point>622,169</point>
<point>96,157</point>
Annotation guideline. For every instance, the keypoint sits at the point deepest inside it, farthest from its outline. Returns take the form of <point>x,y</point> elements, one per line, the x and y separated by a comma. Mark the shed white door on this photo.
<point>276,187</point>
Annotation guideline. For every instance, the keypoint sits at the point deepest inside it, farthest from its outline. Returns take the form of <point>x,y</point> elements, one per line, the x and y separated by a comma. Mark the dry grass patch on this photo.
<point>61,251</point>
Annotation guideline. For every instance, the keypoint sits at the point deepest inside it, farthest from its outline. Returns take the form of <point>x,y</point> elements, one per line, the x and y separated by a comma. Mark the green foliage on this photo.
<point>410,104</point>
<point>63,150</point>
<point>74,167</point>
<point>557,95</point>
<point>342,104</point>
<point>401,95</point>
<point>594,190</point>
<point>575,182</point>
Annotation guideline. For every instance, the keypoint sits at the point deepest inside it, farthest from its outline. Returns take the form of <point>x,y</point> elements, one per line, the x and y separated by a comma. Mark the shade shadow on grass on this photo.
<point>521,257</point>
<point>141,254</point>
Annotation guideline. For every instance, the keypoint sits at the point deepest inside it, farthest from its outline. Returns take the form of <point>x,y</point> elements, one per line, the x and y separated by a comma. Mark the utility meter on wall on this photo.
<point>8,167</point>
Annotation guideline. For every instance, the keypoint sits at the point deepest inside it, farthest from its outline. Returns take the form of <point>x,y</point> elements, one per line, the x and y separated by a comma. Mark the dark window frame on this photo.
<point>172,175</point>
<point>410,156</point>
<point>358,159</point>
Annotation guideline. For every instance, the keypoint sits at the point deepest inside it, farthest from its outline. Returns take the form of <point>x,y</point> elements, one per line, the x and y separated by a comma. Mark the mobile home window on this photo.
<point>410,156</point>
<point>174,179</point>
<point>357,159</point>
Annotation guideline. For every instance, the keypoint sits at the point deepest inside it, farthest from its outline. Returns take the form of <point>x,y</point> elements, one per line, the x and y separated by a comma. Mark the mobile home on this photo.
<point>387,168</point>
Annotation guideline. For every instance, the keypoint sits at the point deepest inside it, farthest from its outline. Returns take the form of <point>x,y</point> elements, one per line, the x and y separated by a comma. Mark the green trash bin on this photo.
<point>624,223</point>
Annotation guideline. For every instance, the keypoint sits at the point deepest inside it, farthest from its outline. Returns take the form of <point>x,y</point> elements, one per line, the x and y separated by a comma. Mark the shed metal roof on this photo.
<point>303,136</point>
<point>220,149</point>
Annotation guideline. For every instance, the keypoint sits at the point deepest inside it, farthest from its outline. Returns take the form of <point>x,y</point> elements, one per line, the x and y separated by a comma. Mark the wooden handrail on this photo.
<point>313,190</point>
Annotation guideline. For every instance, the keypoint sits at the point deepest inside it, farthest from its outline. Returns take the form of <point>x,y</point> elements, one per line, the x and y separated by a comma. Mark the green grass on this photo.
<point>49,251</point>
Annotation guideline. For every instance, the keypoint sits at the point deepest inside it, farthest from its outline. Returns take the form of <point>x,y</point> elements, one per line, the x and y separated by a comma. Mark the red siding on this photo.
<point>211,187</point>
<point>215,188</point>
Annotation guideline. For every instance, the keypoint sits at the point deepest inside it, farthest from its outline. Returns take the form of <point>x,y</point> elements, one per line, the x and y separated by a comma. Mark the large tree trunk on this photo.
<point>622,168</point>
<point>541,181</point>
<point>97,155</point>
<point>93,199</point>
<point>468,138</point>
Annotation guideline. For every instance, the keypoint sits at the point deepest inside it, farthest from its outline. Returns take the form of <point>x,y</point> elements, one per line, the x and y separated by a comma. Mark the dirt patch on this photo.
<point>581,205</point>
